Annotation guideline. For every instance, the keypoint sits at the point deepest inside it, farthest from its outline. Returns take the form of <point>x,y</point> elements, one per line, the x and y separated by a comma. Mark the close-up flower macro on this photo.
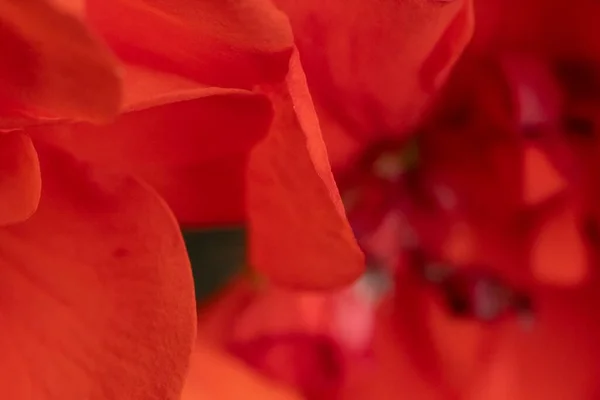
<point>299,199</point>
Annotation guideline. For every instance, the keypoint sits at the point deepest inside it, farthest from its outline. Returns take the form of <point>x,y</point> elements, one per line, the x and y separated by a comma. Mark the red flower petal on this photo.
<point>97,296</point>
<point>190,144</point>
<point>559,254</point>
<point>53,64</point>
<point>342,43</point>
<point>313,364</point>
<point>392,375</point>
<point>448,48</point>
<point>20,182</point>
<point>215,375</point>
<point>555,360</point>
<point>223,43</point>
<point>299,232</point>
<point>541,179</point>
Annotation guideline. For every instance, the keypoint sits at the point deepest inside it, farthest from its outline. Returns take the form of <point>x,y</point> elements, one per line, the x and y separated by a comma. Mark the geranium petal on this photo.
<point>215,375</point>
<point>392,373</point>
<point>559,254</point>
<point>465,348</point>
<point>554,360</point>
<point>55,67</point>
<point>20,182</point>
<point>535,92</point>
<point>97,295</point>
<point>449,47</point>
<point>223,43</point>
<point>541,179</point>
<point>191,145</point>
<point>410,44</point>
<point>298,229</point>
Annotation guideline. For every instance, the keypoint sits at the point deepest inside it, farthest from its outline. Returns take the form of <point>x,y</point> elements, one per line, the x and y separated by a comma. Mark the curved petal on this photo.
<point>541,180</point>
<point>55,65</point>
<point>97,292</point>
<point>222,43</point>
<point>392,374</point>
<point>558,253</point>
<point>20,181</point>
<point>191,145</point>
<point>298,229</point>
<point>373,67</point>
<point>312,364</point>
<point>215,375</point>
<point>555,360</point>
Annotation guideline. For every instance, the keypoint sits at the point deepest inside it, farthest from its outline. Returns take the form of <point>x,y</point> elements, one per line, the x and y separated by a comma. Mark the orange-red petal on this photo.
<point>215,375</point>
<point>392,373</point>
<point>97,295</point>
<point>222,43</point>
<point>373,67</point>
<point>191,145</point>
<point>20,181</point>
<point>554,360</point>
<point>53,65</point>
<point>558,253</point>
<point>298,229</point>
<point>540,178</point>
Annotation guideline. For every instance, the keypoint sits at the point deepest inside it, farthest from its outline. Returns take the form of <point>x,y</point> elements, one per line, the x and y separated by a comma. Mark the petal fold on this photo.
<point>298,229</point>
<point>54,65</point>
<point>222,43</point>
<point>191,145</point>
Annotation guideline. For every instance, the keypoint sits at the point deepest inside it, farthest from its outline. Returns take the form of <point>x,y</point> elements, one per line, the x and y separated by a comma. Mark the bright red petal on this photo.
<point>215,375</point>
<point>373,67</point>
<point>541,179</point>
<point>554,360</point>
<point>53,65</point>
<point>97,295</point>
<point>222,43</point>
<point>299,232</point>
<point>191,145</point>
<point>392,374</point>
<point>558,253</point>
<point>20,182</point>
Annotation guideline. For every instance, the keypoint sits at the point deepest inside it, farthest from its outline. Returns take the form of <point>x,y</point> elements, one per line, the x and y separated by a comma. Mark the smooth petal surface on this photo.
<point>298,229</point>
<point>224,43</point>
<point>191,145</point>
<point>97,296</point>
<point>392,374</point>
<point>558,253</point>
<point>541,180</point>
<point>53,65</point>
<point>20,181</point>
<point>410,44</point>
<point>215,375</point>
<point>556,359</point>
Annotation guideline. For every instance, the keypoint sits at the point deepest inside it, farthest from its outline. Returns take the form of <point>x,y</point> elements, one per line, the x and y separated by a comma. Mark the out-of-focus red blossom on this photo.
<point>411,44</point>
<point>223,126</point>
<point>499,214</point>
<point>97,294</point>
<point>469,359</point>
<point>302,340</point>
